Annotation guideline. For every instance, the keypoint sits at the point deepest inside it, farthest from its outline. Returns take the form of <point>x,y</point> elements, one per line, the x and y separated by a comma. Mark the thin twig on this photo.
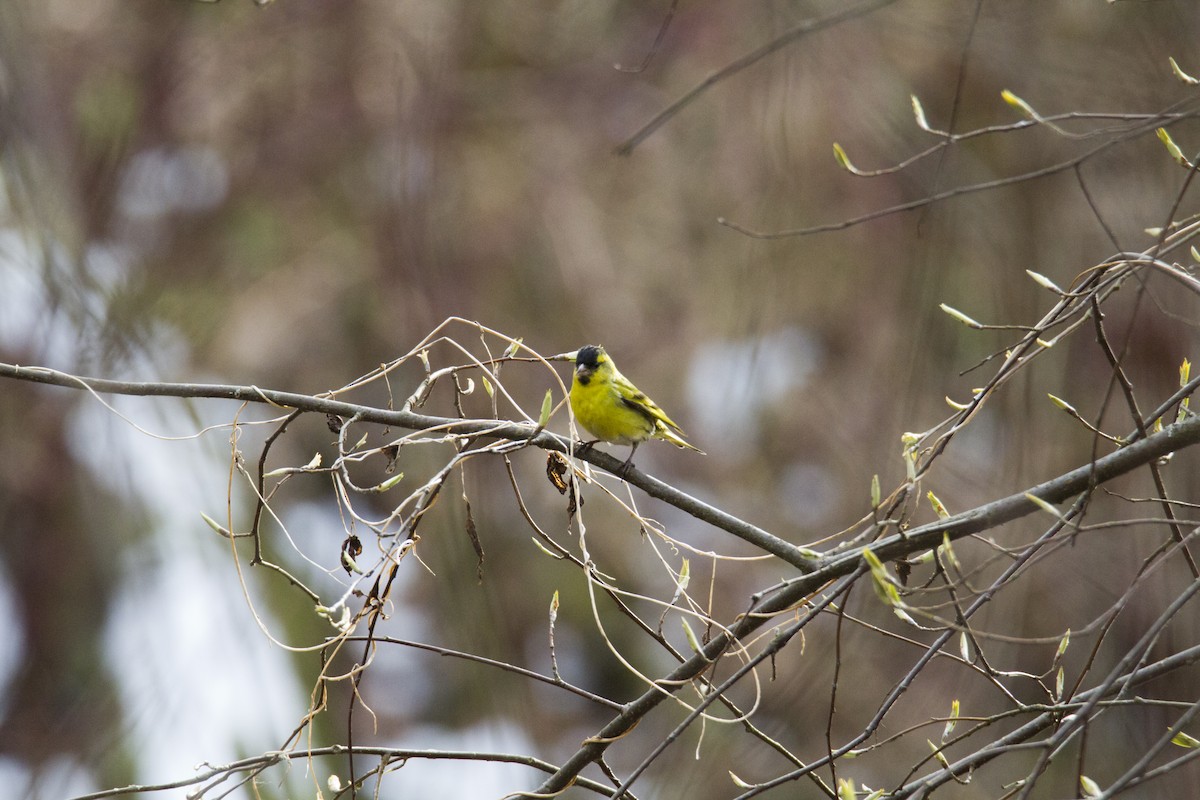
<point>736,66</point>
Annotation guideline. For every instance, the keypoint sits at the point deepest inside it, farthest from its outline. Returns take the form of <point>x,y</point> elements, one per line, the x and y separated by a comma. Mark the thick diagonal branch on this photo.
<point>925,537</point>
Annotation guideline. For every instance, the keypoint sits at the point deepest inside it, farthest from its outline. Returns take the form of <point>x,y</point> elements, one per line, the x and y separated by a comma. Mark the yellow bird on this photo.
<point>612,409</point>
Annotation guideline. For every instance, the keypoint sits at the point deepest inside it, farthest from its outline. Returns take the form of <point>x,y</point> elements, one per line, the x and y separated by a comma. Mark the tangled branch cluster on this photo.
<point>935,581</point>
<point>940,612</point>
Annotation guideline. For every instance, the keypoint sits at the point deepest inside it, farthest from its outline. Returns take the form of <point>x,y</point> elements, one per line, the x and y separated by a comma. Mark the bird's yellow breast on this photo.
<point>598,407</point>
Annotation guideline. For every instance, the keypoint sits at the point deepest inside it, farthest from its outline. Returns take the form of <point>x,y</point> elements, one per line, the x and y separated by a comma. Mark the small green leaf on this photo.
<point>545,549</point>
<point>513,347</point>
<point>212,523</point>
<point>1180,74</point>
<point>938,507</point>
<point>547,404</point>
<point>1043,505</point>
<point>873,561</point>
<point>1044,282</point>
<point>1063,404</point>
<point>885,586</point>
<point>1059,680</point>
<point>738,782</point>
<point>554,607</point>
<point>843,160</point>
<point>1018,103</point>
<point>1185,375</point>
<point>389,483</point>
<point>952,722</point>
<point>350,564</point>
<point>487,386</point>
<point>925,558</point>
<point>937,753</point>
<point>961,317</point>
<point>1062,645</point>
<point>1173,149</point>
<point>956,405</point>
<point>1181,739</point>
<point>919,113</point>
<point>909,453</point>
<point>876,494</point>
<point>845,789</point>
<point>690,635</point>
<point>1090,787</point>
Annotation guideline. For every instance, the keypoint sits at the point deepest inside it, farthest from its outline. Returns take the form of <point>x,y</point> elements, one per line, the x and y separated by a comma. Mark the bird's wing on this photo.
<point>636,399</point>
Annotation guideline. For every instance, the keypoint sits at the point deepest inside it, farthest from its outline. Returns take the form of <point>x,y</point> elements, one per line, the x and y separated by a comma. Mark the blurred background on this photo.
<point>290,195</point>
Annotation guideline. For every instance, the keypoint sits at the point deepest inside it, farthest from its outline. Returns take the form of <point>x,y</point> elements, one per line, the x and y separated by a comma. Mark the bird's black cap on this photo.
<point>588,356</point>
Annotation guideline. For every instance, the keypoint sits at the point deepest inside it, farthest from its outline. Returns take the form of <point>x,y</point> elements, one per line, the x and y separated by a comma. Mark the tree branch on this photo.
<point>818,572</point>
<point>513,431</point>
<point>831,568</point>
<point>736,66</point>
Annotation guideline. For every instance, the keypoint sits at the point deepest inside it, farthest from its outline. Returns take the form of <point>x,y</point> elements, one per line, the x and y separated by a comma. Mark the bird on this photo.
<point>613,410</point>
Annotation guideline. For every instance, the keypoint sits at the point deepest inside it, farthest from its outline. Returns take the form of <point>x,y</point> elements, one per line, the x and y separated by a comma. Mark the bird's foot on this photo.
<point>623,472</point>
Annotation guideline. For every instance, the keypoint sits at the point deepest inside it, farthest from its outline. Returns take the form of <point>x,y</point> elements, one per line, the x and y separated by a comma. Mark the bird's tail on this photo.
<point>661,431</point>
